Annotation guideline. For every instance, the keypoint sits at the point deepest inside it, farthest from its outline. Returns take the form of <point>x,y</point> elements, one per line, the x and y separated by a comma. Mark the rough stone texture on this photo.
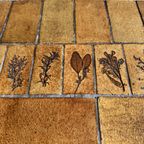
<point>23,22</point>
<point>70,76</point>
<point>5,82</point>
<point>91,21</point>
<point>136,74</point>
<point>122,120</point>
<point>47,121</point>
<point>104,85</point>
<point>55,84</point>
<point>57,23</point>
<point>126,22</point>
<point>141,6</point>
<point>2,55</point>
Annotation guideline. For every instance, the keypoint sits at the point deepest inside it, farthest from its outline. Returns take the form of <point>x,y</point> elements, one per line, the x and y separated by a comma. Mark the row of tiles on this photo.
<point>72,69</point>
<point>72,121</point>
<point>62,23</point>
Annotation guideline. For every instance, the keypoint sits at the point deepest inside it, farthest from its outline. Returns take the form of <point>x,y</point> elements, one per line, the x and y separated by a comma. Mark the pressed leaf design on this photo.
<point>140,63</point>
<point>87,60</point>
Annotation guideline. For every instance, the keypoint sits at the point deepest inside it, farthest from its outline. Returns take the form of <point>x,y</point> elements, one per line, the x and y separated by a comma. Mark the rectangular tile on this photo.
<point>46,78</point>
<point>23,22</point>
<point>126,22</point>
<point>110,70</point>
<point>57,22</point>
<point>122,120</point>
<point>141,8</point>
<point>91,21</point>
<point>135,61</point>
<point>2,55</point>
<point>15,73</point>
<point>47,121</point>
<point>78,70</point>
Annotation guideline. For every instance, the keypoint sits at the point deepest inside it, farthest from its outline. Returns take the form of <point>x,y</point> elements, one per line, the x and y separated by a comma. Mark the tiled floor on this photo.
<point>71,72</point>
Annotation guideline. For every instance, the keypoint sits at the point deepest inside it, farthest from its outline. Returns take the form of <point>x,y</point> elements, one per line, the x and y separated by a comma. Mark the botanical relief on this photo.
<point>140,62</point>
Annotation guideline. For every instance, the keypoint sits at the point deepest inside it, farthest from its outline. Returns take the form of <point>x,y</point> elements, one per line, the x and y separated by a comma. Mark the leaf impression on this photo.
<point>86,61</point>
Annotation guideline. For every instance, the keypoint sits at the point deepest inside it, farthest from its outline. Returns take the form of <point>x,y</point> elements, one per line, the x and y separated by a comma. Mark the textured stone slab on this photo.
<point>23,22</point>
<point>135,67</point>
<point>122,120</point>
<point>71,76</point>
<point>47,121</point>
<point>126,22</point>
<point>15,56</point>
<point>2,55</point>
<point>106,82</point>
<point>57,23</point>
<point>141,7</point>
<point>54,83</point>
<point>91,21</point>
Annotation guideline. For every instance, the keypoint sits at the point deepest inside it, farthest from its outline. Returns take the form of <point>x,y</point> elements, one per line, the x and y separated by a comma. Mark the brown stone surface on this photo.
<point>47,121</point>
<point>57,23</point>
<point>55,84</point>
<point>23,22</point>
<point>104,84</point>
<point>91,21</point>
<point>122,120</point>
<point>141,6</point>
<point>2,55</point>
<point>126,22</point>
<point>136,74</point>
<point>5,82</point>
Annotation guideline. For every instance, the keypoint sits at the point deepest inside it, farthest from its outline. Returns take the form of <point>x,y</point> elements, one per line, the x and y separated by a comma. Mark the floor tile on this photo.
<point>135,61</point>
<point>110,79</point>
<point>2,55</point>
<point>23,22</point>
<point>57,23</point>
<point>141,7</point>
<point>15,73</point>
<point>126,22</point>
<point>91,21</point>
<point>78,71</point>
<point>47,79</point>
<point>122,120</point>
<point>47,121</point>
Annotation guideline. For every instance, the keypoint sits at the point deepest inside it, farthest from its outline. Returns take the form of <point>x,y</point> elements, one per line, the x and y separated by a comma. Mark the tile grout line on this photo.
<point>74,21</point>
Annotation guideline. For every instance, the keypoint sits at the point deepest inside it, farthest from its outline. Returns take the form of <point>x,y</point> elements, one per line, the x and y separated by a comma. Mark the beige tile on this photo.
<point>55,84</point>
<point>126,23</point>
<point>47,121</point>
<point>91,21</point>
<point>57,23</point>
<point>122,120</point>
<point>70,75</point>
<point>2,55</point>
<point>141,7</point>
<point>106,82</point>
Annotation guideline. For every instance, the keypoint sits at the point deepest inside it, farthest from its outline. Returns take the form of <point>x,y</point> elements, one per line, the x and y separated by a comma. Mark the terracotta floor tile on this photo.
<point>71,75</point>
<point>2,56</point>
<point>122,120</point>
<point>54,86</point>
<point>47,121</point>
<point>126,22</point>
<point>16,82</point>
<point>91,21</point>
<point>108,78</point>
<point>57,23</point>
<point>23,22</point>
<point>133,53</point>
<point>141,7</point>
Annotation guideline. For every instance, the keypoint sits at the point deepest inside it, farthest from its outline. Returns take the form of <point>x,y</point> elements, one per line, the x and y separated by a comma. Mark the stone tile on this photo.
<point>2,55</point>
<point>91,21</point>
<point>18,82</point>
<point>126,22</point>
<point>122,120</point>
<point>71,76</point>
<point>108,77</point>
<point>48,121</point>
<point>54,83</point>
<point>57,23</point>
<point>136,70</point>
<point>23,22</point>
<point>141,7</point>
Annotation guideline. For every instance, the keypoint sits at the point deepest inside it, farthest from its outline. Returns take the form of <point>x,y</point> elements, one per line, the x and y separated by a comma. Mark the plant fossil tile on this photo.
<point>15,73</point>
<point>23,22</point>
<point>135,61</point>
<point>111,70</point>
<point>2,55</point>
<point>46,78</point>
<point>48,121</point>
<point>122,120</point>
<point>78,71</point>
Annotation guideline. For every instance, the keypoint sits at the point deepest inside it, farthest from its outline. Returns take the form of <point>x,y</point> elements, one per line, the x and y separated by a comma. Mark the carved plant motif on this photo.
<point>15,69</point>
<point>46,65</point>
<point>140,62</point>
<point>111,68</point>
<point>80,66</point>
